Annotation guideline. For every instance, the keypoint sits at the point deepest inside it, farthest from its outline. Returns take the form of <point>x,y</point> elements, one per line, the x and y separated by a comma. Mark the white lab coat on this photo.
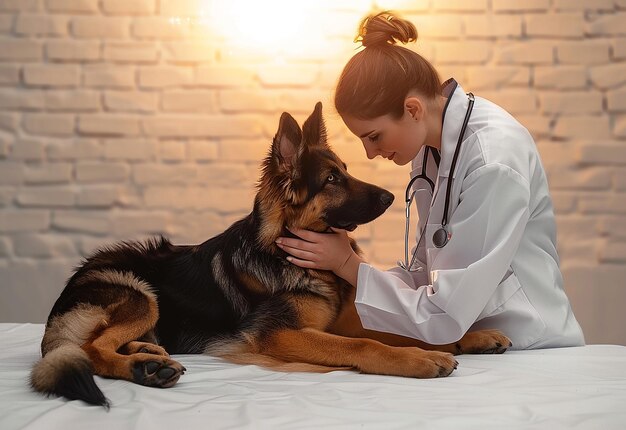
<point>500,268</point>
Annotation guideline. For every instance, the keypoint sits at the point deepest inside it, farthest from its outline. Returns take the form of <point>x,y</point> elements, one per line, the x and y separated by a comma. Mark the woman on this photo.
<point>486,254</point>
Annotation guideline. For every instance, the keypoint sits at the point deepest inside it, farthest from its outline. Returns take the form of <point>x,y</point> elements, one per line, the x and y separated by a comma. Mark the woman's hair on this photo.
<point>377,79</point>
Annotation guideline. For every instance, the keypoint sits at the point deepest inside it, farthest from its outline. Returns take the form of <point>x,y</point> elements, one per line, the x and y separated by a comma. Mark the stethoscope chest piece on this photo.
<point>441,237</point>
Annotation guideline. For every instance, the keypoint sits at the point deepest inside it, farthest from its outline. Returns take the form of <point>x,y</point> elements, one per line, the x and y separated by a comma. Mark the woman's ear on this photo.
<point>414,107</point>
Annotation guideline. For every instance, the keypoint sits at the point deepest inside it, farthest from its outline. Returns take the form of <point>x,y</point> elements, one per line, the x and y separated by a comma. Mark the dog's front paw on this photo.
<point>483,342</point>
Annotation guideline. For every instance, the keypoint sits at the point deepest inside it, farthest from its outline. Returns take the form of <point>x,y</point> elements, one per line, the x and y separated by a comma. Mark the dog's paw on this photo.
<point>483,342</point>
<point>135,347</point>
<point>417,363</point>
<point>157,371</point>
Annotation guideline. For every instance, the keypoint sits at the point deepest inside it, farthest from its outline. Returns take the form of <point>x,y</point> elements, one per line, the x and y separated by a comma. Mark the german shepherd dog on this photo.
<point>235,296</point>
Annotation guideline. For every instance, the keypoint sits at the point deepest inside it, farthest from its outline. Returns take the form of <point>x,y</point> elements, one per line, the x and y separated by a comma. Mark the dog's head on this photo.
<point>304,184</point>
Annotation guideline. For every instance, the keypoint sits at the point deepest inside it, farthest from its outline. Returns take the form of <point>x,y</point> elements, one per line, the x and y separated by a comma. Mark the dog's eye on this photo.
<point>331,178</point>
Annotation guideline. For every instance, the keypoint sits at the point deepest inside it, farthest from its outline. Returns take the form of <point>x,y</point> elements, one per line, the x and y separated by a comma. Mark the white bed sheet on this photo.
<point>566,388</point>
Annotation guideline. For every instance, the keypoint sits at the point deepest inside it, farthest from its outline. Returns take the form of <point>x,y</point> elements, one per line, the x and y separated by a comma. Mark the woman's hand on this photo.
<point>323,251</point>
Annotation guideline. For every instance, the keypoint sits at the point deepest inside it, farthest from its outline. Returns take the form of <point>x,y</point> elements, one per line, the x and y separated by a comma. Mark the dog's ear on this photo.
<point>314,129</point>
<point>287,141</point>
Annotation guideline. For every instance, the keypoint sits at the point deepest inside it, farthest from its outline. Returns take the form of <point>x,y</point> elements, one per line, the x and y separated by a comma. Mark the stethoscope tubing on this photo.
<point>441,236</point>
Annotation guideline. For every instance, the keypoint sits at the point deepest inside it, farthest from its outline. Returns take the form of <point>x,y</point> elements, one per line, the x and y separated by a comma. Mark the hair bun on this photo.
<point>385,29</point>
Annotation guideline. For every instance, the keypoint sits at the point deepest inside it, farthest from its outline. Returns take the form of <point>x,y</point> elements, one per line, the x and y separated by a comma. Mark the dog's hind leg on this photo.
<point>128,320</point>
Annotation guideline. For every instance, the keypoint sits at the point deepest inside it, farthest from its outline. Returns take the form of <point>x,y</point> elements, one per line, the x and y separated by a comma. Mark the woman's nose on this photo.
<point>370,152</point>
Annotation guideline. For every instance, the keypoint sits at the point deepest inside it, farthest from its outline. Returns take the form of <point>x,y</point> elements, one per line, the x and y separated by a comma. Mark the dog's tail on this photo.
<point>67,371</point>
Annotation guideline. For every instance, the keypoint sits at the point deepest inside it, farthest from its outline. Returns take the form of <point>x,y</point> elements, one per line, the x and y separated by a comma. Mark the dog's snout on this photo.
<point>386,199</point>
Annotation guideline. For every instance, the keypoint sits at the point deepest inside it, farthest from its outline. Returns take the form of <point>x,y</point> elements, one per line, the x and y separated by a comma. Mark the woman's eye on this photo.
<point>373,137</point>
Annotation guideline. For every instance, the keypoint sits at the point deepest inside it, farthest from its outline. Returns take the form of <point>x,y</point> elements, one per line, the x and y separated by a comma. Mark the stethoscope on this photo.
<point>441,236</point>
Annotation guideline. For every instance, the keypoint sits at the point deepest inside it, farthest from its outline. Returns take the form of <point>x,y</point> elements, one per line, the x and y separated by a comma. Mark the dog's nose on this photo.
<point>386,199</point>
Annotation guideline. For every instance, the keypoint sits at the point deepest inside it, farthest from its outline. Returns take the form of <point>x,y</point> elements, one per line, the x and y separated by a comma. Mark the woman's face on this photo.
<point>398,140</point>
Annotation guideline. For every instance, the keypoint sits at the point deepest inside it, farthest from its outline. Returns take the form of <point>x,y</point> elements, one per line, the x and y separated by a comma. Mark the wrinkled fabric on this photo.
<point>566,388</point>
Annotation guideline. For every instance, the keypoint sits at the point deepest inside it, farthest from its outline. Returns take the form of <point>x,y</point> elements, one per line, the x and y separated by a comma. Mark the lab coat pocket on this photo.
<point>431,250</point>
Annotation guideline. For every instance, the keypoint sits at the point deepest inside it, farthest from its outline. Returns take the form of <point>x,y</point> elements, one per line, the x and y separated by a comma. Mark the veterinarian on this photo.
<point>485,252</point>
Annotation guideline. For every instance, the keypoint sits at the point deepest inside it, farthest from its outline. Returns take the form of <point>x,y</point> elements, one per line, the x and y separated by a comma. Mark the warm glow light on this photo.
<point>268,25</point>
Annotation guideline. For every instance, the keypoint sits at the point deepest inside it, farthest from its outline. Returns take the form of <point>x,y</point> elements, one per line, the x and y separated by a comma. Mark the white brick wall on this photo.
<point>120,119</point>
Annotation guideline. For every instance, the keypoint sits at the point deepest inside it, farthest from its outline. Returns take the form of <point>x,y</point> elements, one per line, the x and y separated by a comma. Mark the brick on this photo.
<point>613,226</point>
<point>227,174</point>
<point>90,172</point>
<point>24,220</point>
<point>108,76</point>
<point>100,28</point>
<point>72,6</point>
<point>5,248</point>
<point>8,121</point>
<point>404,5</point>
<point>51,75</point>
<point>45,197</point>
<point>460,5</point>
<point>40,25</point>
<point>575,102</point>
<point>84,221</point>
<point>159,174</point>
<point>131,52</point>
<point>223,76</point>
<point>9,74</point>
<point>75,150</point>
<point>43,246</point>
<point>189,101</point>
<point>20,50</point>
<point>187,52</point>
<point>159,28</point>
<point>594,152</point>
<point>49,124</point>
<point>583,127</point>
<point>130,149</point>
<point>204,126</point>
<point>613,252</point>
<point>181,7</point>
<point>11,173</point>
<point>557,153</point>
<point>51,173</point>
<point>608,25</point>
<point>494,77</point>
<point>555,25</point>
<point>531,52</point>
<point>65,50</point>
<point>583,5</point>
<point>602,203</point>
<point>616,100</point>
<point>466,52</point>
<point>609,76</point>
<point>498,25</point>
<point>21,99</point>
<point>560,77</point>
<point>28,150</point>
<point>125,224</point>
<point>109,125</point>
<point>297,101</point>
<point>130,101</point>
<point>125,7</point>
<point>97,196</point>
<point>286,76</point>
<point>589,178</point>
<point>583,52</point>
<point>203,150</point>
<point>226,200</point>
<point>436,26</point>
<point>248,101</point>
<point>20,5</point>
<point>171,150</point>
<point>517,6</point>
<point>162,77</point>
<point>514,101</point>
<point>72,101</point>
